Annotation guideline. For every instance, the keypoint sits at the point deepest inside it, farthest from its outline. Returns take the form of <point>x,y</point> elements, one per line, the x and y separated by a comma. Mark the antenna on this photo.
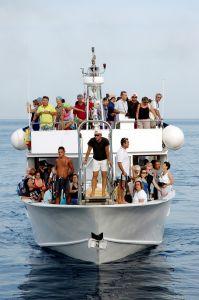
<point>163,97</point>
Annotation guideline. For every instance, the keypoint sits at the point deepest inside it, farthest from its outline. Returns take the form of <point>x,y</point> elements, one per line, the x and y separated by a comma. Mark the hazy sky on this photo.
<point>43,44</point>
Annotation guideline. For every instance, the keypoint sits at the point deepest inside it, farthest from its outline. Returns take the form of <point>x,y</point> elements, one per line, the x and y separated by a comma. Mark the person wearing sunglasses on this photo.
<point>101,158</point>
<point>155,104</point>
<point>132,106</point>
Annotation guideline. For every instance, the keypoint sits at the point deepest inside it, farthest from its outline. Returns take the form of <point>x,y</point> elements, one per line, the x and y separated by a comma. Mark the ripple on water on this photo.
<point>169,271</point>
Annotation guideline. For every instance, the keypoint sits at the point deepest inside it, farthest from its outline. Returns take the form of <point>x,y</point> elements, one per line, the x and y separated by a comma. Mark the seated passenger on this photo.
<point>142,114</point>
<point>136,169</point>
<point>67,118</point>
<point>139,194</point>
<point>143,176</point>
<point>46,113</point>
<point>52,176</point>
<point>48,195</point>
<point>73,190</point>
<point>39,183</point>
<point>43,170</point>
<point>31,173</point>
<point>32,192</point>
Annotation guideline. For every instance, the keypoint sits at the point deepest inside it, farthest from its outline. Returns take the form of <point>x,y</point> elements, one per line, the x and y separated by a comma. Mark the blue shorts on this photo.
<point>62,184</point>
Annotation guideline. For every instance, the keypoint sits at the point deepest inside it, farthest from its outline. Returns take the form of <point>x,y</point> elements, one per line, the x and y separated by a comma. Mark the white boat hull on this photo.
<point>126,228</point>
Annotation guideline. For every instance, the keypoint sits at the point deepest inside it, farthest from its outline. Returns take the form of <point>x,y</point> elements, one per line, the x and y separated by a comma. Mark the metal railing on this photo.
<point>137,124</point>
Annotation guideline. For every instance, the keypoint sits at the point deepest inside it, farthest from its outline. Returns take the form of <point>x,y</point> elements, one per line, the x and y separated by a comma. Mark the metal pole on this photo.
<point>163,97</point>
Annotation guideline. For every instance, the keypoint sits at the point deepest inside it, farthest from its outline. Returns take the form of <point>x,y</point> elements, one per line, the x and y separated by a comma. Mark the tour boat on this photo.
<point>98,230</point>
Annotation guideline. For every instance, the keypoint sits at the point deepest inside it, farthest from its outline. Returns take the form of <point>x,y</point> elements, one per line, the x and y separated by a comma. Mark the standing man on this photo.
<point>156,104</point>
<point>122,168</point>
<point>64,168</point>
<point>79,110</point>
<point>121,105</point>
<point>132,106</point>
<point>111,116</point>
<point>59,110</point>
<point>105,108</point>
<point>101,156</point>
<point>46,113</point>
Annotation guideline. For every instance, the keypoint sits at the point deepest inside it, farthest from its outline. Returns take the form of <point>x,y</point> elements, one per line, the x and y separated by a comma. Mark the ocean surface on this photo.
<point>169,271</point>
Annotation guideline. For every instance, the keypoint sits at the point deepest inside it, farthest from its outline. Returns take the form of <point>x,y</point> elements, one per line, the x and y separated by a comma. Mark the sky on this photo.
<point>43,45</point>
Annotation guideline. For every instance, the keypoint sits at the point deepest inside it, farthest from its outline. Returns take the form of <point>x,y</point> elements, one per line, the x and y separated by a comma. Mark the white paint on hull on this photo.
<point>126,228</point>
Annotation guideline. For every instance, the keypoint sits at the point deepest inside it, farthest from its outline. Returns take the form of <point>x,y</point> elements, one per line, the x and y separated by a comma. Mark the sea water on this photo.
<point>169,271</point>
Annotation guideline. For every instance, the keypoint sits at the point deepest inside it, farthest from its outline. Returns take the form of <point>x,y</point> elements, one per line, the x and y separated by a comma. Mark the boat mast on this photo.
<point>93,80</point>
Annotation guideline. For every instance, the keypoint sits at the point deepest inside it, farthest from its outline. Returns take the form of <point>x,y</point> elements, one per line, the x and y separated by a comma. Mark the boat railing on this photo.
<point>73,125</point>
<point>84,177</point>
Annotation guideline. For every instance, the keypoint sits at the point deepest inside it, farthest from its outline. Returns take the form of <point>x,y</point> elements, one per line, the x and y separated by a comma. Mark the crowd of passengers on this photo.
<point>151,180</point>
<point>65,116</point>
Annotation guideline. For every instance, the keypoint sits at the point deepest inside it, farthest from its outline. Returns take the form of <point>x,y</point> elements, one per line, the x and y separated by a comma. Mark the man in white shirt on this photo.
<point>156,104</point>
<point>122,168</point>
<point>122,105</point>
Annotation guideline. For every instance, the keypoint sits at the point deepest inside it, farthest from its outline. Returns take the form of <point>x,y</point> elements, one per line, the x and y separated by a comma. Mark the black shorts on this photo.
<point>62,184</point>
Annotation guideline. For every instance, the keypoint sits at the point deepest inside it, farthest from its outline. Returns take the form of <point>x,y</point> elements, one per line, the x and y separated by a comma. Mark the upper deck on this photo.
<point>141,141</point>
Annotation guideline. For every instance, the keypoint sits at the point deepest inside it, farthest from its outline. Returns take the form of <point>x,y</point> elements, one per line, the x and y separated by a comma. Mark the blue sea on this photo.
<point>169,271</point>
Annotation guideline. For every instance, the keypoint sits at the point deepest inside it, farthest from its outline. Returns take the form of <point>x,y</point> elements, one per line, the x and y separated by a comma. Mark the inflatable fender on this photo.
<point>18,139</point>
<point>173,137</point>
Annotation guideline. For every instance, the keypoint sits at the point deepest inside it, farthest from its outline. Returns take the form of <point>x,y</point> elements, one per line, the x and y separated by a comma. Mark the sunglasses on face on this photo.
<point>97,134</point>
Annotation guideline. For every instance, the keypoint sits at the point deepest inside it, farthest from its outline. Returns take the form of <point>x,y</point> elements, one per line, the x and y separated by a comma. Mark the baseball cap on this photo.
<point>39,99</point>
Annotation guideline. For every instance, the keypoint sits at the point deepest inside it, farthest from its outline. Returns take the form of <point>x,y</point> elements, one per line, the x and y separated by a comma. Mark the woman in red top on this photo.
<point>39,183</point>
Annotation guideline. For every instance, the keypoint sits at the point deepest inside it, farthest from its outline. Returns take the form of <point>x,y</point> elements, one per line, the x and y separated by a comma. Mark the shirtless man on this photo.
<point>64,168</point>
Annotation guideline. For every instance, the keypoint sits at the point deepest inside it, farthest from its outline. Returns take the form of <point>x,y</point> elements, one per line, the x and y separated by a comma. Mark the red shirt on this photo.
<point>82,114</point>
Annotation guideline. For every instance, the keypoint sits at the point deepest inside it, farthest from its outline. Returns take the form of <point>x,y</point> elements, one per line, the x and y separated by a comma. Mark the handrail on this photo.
<point>80,152</point>
<point>156,123</point>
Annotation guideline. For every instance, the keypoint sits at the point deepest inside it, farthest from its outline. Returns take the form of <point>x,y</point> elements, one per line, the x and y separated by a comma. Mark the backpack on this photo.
<point>21,189</point>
